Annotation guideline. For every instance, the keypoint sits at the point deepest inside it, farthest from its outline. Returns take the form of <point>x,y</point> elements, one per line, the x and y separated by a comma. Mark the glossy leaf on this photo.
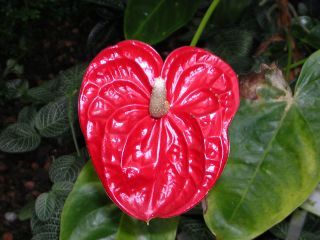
<point>154,20</point>
<point>65,168</point>
<point>45,205</point>
<point>89,214</point>
<point>274,163</point>
<point>52,119</point>
<point>158,229</point>
<point>18,138</point>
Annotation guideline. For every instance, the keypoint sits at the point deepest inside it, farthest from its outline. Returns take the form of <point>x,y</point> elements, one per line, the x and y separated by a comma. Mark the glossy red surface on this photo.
<point>157,167</point>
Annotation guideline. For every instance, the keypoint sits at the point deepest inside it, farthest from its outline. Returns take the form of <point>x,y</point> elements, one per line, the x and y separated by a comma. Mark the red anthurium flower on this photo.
<point>157,132</point>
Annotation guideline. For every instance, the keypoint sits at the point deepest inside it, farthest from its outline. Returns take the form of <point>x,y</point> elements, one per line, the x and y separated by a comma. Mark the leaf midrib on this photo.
<point>269,146</point>
<point>142,25</point>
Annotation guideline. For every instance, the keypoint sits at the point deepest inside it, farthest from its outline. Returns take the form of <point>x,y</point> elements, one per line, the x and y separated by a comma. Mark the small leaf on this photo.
<point>27,115</point>
<point>26,211</point>
<point>16,88</point>
<point>62,188</point>
<point>194,229</point>
<point>154,20</point>
<point>18,138</point>
<point>48,228</point>
<point>70,80</point>
<point>89,214</point>
<point>40,94</point>
<point>52,119</point>
<point>45,206</point>
<point>65,168</point>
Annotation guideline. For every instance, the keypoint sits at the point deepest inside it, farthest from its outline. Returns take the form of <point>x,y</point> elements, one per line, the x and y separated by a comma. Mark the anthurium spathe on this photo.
<point>157,131</point>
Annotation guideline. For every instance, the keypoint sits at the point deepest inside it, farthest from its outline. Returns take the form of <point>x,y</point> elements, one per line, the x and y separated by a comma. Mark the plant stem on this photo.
<point>204,22</point>
<point>296,64</point>
<point>72,127</point>
<point>296,224</point>
<point>289,56</point>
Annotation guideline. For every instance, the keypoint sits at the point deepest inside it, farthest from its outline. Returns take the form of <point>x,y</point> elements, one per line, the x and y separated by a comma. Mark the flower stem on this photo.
<point>296,64</point>
<point>70,107</point>
<point>289,45</point>
<point>204,22</point>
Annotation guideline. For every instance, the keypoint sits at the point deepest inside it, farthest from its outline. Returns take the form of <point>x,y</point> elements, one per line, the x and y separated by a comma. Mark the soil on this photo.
<point>22,178</point>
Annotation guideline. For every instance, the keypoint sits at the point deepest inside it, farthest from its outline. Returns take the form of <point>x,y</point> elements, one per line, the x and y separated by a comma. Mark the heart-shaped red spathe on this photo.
<point>157,167</point>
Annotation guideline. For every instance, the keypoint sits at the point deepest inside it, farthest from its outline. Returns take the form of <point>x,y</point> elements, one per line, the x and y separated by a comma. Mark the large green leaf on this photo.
<point>18,138</point>
<point>153,20</point>
<point>274,162</point>
<point>89,214</point>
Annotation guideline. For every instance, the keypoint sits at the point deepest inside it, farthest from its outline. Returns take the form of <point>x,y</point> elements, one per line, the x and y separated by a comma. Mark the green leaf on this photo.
<point>65,168</point>
<point>40,94</point>
<point>45,206</point>
<point>18,138</point>
<point>89,214</point>
<point>52,119</point>
<point>274,163</point>
<point>27,115</point>
<point>44,93</point>
<point>132,229</point>
<point>26,211</point>
<point>62,188</point>
<point>47,230</point>
<point>15,88</point>
<point>234,50</point>
<point>154,20</point>
<point>70,80</point>
<point>194,229</point>
<point>307,31</point>
<point>228,12</point>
